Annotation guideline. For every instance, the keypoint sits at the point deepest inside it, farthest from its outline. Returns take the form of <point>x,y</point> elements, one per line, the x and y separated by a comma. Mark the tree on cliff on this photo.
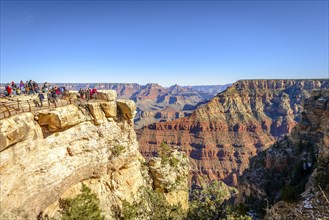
<point>206,202</point>
<point>151,205</point>
<point>84,206</point>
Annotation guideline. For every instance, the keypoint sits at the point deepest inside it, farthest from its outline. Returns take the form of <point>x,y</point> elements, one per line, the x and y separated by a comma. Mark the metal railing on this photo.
<point>12,106</point>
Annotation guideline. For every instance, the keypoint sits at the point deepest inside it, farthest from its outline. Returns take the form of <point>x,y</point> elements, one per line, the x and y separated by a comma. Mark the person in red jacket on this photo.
<point>94,92</point>
<point>8,88</point>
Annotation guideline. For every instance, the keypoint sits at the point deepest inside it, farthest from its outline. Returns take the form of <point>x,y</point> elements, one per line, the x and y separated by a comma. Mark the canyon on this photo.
<point>222,135</point>
<point>290,180</point>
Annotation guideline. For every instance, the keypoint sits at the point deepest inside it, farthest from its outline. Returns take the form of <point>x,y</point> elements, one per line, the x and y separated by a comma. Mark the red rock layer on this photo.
<point>222,135</point>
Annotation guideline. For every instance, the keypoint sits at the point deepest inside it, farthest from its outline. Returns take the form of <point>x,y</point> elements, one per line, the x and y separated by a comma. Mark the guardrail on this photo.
<point>13,107</point>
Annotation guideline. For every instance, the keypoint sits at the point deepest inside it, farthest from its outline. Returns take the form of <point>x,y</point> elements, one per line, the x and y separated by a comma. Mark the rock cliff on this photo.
<point>48,154</point>
<point>293,173</point>
<point>240,122</point>
<point>156,103</point>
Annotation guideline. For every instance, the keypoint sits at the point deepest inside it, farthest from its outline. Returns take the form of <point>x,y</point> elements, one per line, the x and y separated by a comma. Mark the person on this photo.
<point>31,88</point>
<point>41,98</point>
<point>22,86</point>
<point>45,87</point>
<point>13,88</point>
<point>8,89</point>
<point>27,88</point>
<point>87,94</point>
<point>94,92</point>
<point>52,97</point>
<point>81,93</point>
<point>18,91</point>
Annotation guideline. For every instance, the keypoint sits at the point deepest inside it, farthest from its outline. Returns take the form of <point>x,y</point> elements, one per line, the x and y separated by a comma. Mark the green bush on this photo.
<point>84,206</point>
<point>152,205</point>
<point>117,150</point>
<point>206,201</point>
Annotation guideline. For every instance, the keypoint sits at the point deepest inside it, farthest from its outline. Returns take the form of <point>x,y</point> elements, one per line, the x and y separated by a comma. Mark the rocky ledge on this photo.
<point>48,154</point>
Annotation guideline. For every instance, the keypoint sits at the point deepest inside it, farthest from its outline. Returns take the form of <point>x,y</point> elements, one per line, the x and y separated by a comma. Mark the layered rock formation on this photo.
<point>295,169</point>
<point>154,102</point>
<point>48,154</point>
<point>223,134</point>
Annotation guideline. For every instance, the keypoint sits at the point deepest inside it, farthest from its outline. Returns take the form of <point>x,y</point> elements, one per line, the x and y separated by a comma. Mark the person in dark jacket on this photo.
<point>41,98</point>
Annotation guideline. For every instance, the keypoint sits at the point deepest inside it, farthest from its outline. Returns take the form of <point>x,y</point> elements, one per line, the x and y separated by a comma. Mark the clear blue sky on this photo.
<point>183,42</point>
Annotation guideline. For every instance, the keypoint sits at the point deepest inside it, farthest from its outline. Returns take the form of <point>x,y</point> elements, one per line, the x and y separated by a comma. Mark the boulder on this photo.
<point>60,118</point>
<point>18,128</point>
<point>126,108</point>
<point>108,95</point>
<point>109,108</point>
<point>97,113</point>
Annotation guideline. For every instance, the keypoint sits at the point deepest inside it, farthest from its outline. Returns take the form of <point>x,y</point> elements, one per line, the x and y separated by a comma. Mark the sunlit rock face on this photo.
<point>48,155</point>
<point>221,135</point>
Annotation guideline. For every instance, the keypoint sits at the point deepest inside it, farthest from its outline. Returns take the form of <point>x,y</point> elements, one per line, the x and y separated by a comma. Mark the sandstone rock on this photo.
<point>96,111</point>
<point>36,173</point>
<point>170,177</point>
<point>61,117</point>
<point>37,170</point>
<point>109,108</point>
<point>127,108</point>
<point>18,128</point>
<point>108,95</point>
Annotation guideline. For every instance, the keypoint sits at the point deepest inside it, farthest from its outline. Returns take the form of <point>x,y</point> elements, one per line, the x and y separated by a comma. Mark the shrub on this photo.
<point>84,206</point>
<point>152,205</point>
<point>117,150</point>
<point>206,201</point>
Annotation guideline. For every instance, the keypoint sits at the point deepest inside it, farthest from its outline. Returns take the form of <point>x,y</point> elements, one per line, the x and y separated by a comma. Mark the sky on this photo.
<point>164,42</point>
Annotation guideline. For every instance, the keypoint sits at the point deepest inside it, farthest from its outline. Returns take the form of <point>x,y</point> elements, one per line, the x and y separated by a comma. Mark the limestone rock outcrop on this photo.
<point>170,177</point>
<point>18,128</point>
<point>108,95</point>
<point>60,118</point>
<point>127,108</point>
<point>48,155</point>
<point>221,135</point>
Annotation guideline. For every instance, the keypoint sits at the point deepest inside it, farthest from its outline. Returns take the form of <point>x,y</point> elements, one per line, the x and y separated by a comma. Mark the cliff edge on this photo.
<point>48,154</point>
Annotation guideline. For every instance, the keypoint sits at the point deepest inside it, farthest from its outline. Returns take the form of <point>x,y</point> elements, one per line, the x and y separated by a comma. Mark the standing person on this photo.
<point>13,87</point>
<point>91,93</point>
<point>22,86</point>
<point>45,87</point>
<point>81,93</point>
<point>94,93</point>
<point>27,88</point>
<point>87,94</point>
<point>31,89</point>
<point>41,98</point>
<point>8,88</point>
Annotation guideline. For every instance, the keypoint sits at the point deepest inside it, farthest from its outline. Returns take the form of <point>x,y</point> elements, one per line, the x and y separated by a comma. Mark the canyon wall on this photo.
<point>291,179</point>
<point>221,135</point>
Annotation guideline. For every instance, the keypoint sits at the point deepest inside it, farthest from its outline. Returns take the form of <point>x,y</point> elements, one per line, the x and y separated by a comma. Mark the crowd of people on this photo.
<point>53,92</point>
<point>31,87</point>
<point>88,94</point>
